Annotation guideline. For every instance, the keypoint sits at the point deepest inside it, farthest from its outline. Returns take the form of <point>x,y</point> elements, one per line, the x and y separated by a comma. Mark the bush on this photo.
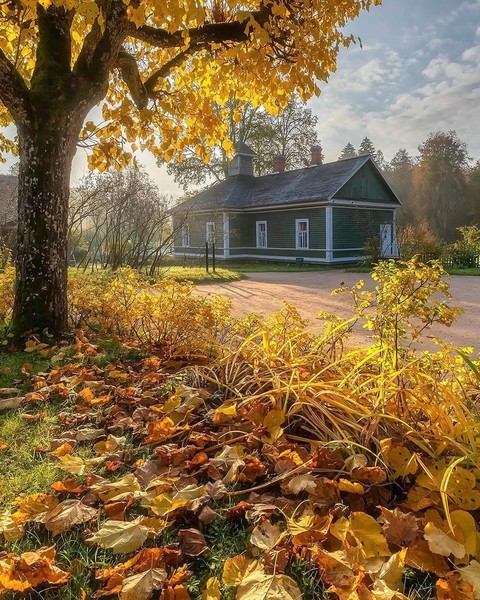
<point>167,314</point>
<point>420,240</point>
<point>465,252</point>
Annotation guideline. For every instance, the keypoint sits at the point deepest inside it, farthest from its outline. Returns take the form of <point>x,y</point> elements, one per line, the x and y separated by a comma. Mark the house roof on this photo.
<point>243,150</point>
<point>310,184</point>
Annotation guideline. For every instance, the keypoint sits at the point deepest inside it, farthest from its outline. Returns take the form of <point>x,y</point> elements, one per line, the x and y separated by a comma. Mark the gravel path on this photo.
<point>310,292</point>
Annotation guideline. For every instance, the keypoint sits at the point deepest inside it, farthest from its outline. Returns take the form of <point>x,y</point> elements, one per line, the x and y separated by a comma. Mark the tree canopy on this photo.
<point>163,67</point>
<point>440,182</point>
<point>157,70</point>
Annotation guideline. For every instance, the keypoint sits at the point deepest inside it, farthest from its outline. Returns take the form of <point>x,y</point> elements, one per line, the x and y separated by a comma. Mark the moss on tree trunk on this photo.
<point>46,156</point>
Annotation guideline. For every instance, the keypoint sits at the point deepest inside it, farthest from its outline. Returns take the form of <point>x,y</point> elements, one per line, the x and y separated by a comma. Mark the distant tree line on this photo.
<point>439,188</point>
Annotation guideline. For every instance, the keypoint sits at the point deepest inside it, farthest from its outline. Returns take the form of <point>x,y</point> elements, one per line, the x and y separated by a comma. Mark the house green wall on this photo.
<point>198,231</point>
<point>280,233</point>
<point>352,227</point>
<point>367,186</point>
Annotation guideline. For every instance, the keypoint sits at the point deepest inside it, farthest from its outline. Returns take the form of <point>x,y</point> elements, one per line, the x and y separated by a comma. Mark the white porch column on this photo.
<point>329,232</point>
<point>226,235</point>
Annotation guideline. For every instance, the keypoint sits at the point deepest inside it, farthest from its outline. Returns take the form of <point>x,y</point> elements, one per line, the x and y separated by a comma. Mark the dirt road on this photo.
<point>310,292</point>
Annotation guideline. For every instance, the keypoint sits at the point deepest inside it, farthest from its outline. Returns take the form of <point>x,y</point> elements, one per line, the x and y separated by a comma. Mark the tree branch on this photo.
<point>210,33</point>
<point>165,69</point>
<point>127,65</point>
<point>14,93</point>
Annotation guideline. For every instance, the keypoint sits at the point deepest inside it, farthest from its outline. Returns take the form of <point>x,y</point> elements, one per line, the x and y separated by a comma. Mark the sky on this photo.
<point>416,72</point>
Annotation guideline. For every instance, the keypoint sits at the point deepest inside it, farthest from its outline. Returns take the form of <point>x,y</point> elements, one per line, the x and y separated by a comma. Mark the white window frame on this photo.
<point>297,232</point>
<point>257,231</point>
<point>210,232</point>
<point>185,237</point>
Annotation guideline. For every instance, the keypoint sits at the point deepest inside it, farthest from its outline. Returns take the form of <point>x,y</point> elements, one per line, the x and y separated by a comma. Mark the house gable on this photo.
<point>367,185</point>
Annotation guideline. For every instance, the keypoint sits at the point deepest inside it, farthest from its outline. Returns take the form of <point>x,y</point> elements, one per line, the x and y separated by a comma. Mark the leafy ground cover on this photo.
<point>186,454</point>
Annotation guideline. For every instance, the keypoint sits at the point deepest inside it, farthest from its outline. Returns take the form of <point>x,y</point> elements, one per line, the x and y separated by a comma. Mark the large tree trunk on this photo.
<point>46,155</point>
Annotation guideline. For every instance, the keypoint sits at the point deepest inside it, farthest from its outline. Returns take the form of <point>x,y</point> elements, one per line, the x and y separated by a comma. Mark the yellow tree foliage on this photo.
<point>158,71</point>
<point>161,67</point>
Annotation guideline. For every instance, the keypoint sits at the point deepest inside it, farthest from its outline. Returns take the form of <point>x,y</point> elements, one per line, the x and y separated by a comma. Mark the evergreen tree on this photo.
<point>367,147</point>
<point>348,152</point>
<point>399,173</point>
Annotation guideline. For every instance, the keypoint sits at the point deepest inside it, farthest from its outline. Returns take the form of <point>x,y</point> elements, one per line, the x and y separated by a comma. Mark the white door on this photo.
<point>386,240</point>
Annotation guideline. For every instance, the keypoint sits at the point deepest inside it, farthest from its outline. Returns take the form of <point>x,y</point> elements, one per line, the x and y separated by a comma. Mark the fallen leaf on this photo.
<point>192,542</point>
<point>301,483</point>
<point>235,568</point>
<point>72,464</point>
<point>399,528</point>
<point>258,585</point>
<point>454,587</point>
<point>9,403</point>
<point>141,585</point>
<point>67,514</point>
<point>368,535</point>
<point>212,590</point>
<point>266,536</point>
<point>420,557</point>
<point>121,536</point>
<point>441,543</point>
<point>471,574</point>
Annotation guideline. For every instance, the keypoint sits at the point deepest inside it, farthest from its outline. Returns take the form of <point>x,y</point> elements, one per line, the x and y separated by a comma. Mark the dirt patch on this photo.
<point>264,293</point>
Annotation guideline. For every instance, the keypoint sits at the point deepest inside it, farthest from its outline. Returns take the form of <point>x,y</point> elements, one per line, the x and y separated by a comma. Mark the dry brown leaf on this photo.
<point>141,585</point>
<point>121,536</point>
<point>67,514</point>
<point>9,403</point>
<point>453,587</point>
<point>399,528</point>
<point>420,557</point>
<point>192,542</point>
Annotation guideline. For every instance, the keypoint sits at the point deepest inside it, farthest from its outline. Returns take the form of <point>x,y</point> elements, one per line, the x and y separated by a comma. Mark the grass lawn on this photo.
<point>473,271</point>
<point>23,467</point>
<point>199,275</point>
<point>230,271</point>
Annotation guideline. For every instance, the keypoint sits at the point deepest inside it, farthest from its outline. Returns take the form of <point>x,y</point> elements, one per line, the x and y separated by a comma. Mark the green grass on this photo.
<point>473,271</point>
<point>199,274</point>
<point>23,468</point>
<point>234,270</point>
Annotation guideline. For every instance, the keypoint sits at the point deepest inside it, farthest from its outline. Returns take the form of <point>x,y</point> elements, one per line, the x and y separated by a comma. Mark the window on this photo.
<point>301,237</point>
<point>185,236</point>
<point>261,234</point>
<point>210,232</point>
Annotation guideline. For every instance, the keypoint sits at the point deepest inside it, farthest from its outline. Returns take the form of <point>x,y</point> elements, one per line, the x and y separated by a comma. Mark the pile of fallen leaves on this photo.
<point>153,463</point>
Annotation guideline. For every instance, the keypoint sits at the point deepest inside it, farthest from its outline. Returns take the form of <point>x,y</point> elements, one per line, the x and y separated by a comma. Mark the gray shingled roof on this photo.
<point>311,184</point>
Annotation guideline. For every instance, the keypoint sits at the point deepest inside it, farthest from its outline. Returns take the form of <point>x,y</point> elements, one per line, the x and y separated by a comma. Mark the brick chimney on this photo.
<point>316,158</point>
<point>279,163</point>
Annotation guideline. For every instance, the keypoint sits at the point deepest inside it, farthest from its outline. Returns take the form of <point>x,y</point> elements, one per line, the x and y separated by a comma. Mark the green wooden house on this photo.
<point>323,213</point>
